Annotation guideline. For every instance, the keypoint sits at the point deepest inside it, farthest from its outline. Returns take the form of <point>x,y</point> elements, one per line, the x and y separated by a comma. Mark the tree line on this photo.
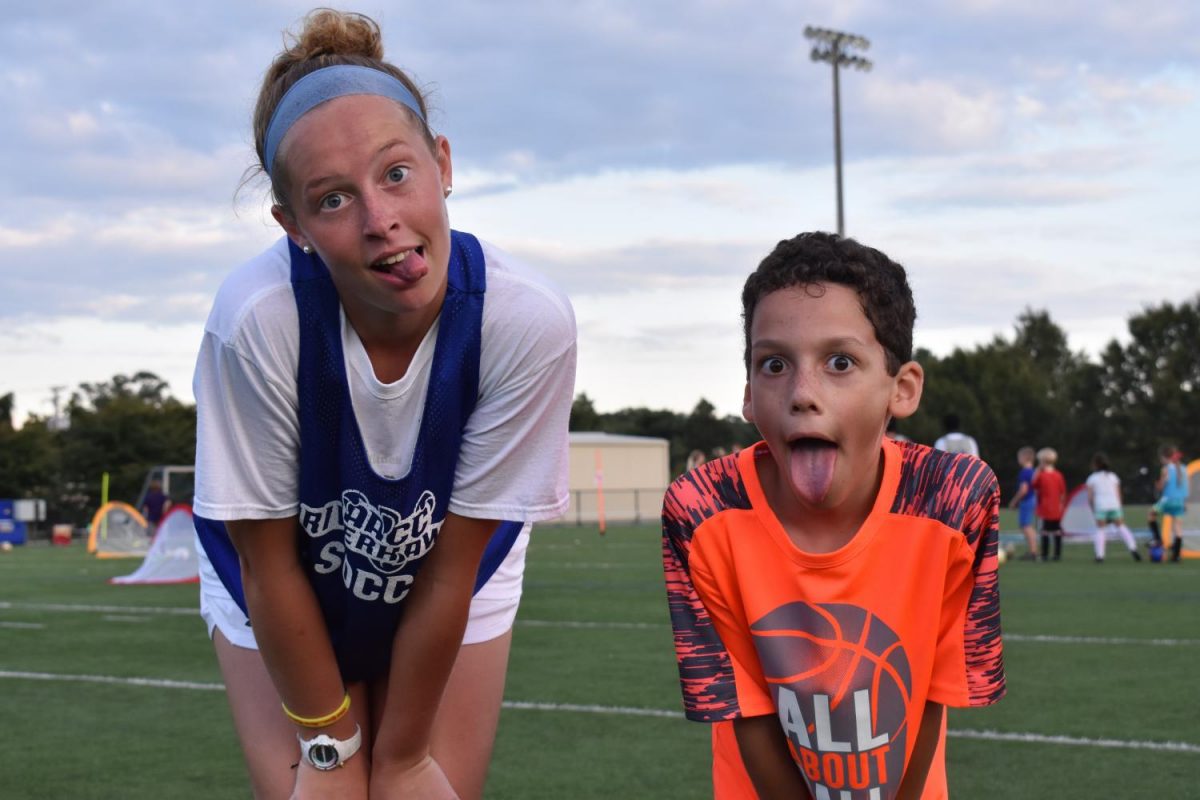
<point>1026,389</point>
<point>122,427</point>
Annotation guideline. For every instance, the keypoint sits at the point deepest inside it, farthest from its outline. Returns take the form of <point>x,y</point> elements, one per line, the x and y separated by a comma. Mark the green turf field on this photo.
<point>113,692</point>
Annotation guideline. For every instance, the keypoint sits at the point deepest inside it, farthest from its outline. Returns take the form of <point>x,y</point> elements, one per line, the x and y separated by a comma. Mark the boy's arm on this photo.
<point>930,732</point>
<point>1022,490</point>
<point>768,761</point>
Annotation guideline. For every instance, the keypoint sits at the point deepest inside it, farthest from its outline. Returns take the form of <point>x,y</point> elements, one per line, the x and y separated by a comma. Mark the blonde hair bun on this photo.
<point>337,33</point>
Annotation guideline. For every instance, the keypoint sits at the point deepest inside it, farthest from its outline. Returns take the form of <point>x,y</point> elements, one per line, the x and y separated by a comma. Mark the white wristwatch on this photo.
<point>325,752</point>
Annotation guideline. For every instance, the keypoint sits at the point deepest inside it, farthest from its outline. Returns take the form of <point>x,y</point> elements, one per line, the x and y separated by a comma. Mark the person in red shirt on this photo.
<point>1051,491</point>
<point>832,590</point>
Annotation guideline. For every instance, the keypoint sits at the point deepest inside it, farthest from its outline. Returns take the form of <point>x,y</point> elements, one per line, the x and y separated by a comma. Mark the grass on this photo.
<point>593,632</point>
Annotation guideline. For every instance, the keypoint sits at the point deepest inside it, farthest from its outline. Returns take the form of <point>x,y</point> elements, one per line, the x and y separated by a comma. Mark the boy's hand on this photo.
<point>768,760</point>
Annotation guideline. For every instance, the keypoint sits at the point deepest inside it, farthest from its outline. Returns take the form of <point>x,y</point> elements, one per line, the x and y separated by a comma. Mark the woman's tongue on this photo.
<point>810,468</point>
<point>410,269</point>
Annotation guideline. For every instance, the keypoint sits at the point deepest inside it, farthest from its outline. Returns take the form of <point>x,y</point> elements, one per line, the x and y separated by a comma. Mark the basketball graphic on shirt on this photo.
<point>841,681</point>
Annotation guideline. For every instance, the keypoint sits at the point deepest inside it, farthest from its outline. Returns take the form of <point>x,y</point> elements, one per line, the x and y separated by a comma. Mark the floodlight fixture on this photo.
<point>830,47</point>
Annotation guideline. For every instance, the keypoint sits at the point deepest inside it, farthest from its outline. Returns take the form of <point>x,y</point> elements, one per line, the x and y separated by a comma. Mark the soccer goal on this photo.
<point>118,530</point>
<point>172,556</point>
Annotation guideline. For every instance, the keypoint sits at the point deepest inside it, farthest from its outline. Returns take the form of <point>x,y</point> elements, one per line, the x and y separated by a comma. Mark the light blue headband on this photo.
<point>325,84</point>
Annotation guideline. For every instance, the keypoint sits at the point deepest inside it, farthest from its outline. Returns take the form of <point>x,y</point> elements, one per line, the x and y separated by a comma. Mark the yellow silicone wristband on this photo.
<point>319,722</point>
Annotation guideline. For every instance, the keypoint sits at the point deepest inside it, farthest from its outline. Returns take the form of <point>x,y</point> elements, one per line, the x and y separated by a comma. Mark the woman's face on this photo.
<point>367,193</point>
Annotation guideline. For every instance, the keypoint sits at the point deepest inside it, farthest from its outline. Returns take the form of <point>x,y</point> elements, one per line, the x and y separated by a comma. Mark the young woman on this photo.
<point>1172,488</point>
<point>375,393</point>
<point>1104,496</point>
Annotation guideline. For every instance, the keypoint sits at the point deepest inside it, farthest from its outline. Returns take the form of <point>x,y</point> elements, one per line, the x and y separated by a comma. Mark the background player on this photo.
<point>953,440</point>
<point>372,385</point>
<point>831,590</point>
<point>1025,502</point>
<point>1051,490</point>
<point>1172,488</point>
<point>1104,496</point>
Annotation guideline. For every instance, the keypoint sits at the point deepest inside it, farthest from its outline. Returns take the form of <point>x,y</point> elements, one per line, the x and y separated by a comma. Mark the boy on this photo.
<point>831,589</point>
<point>1051,489</point>
<point>1024,501</point>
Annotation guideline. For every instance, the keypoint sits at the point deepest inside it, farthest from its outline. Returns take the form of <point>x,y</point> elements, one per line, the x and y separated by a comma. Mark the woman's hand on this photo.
<point>347,782</point>
<point>423,780</point>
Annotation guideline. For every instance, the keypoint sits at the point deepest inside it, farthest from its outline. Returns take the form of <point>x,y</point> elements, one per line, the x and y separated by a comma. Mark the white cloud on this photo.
<point>46,232</point>
<point>166,231</point>
<point>935,115</point>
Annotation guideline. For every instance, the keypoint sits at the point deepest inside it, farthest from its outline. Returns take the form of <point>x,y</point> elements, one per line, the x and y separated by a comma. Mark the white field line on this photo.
<point>134,611</point>
<point>70,607</point>
<point>627,711</point>
<point>154,683</point>
<point>1038,738</point>
<point>1018,637</point>
<point>23,626</point>
<point>583,565</point>
<point>625,626</point>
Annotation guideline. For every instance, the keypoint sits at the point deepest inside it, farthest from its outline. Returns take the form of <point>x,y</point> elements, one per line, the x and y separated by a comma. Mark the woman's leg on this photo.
<point>268,740</point>
<point>1127,537</point>
<point>465,728</point>
<point>1176,538</point>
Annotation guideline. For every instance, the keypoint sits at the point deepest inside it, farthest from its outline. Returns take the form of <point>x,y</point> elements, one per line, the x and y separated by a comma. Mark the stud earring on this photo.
<point>446,192</point>
<point>308,250</point>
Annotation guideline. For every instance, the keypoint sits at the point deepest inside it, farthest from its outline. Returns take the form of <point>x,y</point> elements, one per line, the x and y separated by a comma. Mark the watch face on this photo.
<point>323,756</point>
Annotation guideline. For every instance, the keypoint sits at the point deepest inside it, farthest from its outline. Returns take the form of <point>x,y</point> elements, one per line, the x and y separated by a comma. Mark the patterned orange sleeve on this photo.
<point>983,645</point>
<point>962,492</point>
<point>706,674</point>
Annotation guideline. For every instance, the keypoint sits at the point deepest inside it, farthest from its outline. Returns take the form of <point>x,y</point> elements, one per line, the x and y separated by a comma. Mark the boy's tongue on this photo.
<point>811,468</point>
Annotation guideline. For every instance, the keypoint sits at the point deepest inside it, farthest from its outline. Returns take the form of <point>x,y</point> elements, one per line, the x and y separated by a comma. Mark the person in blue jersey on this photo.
<point>1025,501</point>
<point>1172,488</point>
<point>382,411</point>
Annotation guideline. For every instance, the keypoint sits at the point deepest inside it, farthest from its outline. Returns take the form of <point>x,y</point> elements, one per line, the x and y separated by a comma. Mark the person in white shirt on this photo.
<point>954,440</point>
<point>1104,496</point>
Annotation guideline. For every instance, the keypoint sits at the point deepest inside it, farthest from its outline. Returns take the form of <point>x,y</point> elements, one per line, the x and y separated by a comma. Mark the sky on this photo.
<point>644,154</point>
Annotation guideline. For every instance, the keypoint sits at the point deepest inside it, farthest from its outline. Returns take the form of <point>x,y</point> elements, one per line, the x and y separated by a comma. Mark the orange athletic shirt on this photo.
<point>844,647</point>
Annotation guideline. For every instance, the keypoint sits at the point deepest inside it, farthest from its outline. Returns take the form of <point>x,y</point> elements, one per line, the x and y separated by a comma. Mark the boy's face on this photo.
<point>820,394</point>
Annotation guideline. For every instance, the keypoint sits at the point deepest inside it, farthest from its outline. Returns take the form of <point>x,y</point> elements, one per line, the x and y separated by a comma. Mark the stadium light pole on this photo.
<point>831,46</point>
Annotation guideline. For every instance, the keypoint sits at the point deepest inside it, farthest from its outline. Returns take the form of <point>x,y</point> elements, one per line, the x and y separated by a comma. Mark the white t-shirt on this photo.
<point>957,442</point>
<point>513,459</point>
<point>1105,489</point>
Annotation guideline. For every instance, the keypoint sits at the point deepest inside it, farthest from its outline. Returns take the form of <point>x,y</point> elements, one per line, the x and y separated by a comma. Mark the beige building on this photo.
<point>628,474</point>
